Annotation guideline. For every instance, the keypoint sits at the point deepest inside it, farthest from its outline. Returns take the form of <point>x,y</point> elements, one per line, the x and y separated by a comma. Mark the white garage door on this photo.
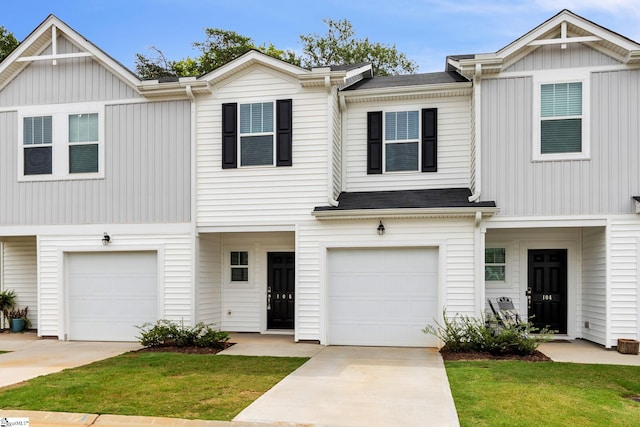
<point>382,297</point>
<point>110,293</point>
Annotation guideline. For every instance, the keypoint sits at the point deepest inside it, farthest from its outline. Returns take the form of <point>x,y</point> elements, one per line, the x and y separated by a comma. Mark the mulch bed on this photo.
<point>186,350</point>
<point>452,356</point>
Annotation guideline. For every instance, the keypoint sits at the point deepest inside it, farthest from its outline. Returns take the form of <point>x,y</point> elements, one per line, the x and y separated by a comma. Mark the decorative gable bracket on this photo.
<point>54,56</point>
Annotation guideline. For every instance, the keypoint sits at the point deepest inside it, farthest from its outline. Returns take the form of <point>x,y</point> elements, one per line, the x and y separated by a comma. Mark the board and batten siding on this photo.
<point>175,258</point>
<point>20,273</point>
<point>147,173</point>
<point>625,278</point>
<point>455,235</point>
<point>594,284</point>
<point>70,80</point>
<point>267,193</point>
<point>209,289</point>
<point>574,55</point>
<point>602,184</point>
<point>454,146</point>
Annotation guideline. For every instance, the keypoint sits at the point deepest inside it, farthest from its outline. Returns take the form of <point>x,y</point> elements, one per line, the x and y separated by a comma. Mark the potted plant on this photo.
<point>18,319</point>
<point>7,302</point>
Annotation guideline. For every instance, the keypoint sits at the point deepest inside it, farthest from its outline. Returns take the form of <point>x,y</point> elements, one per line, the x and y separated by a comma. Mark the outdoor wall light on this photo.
<point>106,239</point>
<point>380,229</point>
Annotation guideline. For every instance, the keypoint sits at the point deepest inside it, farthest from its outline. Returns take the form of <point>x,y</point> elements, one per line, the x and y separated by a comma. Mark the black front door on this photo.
<point>547,293</point>
<point>280,290</point>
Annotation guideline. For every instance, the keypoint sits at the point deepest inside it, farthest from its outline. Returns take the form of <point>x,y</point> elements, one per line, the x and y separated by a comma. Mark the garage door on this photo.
<point>382,297</point>
<point>110,293</point>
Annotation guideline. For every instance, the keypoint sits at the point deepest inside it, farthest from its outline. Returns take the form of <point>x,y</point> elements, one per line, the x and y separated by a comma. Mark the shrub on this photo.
<point>467,334</point>
<point>168,333</point>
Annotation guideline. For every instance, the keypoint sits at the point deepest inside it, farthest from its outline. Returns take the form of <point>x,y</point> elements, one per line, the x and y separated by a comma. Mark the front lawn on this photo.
<point>155,384</point>
<point>509,393</point>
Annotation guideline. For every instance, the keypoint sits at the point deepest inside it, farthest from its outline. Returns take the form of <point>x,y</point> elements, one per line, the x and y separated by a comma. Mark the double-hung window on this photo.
<point>257,134</point>
<point>561,131</point>
<point>61,142</point>
<point>402,141</point>
<point>239,264</point>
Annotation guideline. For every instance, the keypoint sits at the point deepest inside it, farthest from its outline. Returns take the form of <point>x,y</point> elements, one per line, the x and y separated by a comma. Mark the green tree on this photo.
<point>7,43</point>
<point>340,46</point>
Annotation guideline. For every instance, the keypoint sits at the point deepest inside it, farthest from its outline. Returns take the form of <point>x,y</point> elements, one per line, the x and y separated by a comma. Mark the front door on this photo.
<point>547,292</point>
<point>280,290</point>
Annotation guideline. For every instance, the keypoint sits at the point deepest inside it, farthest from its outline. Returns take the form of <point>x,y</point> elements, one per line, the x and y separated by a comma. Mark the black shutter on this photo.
<point>374,142</point>
<point>430,140</point>
<point>229,136</point>
<point>284,155</point>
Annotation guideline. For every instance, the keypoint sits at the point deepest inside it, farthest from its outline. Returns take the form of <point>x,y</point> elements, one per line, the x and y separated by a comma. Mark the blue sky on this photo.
<point>426,30</point>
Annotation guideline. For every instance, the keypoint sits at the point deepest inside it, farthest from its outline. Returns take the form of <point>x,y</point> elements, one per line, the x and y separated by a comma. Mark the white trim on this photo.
<point>638,287</point>
<point>238,228</point>
<point>574,276</point>
<point>402,213</point>
<point>607,315</point>
<point>60,140</point>
<point>562,76</point>
<point>96,229</point>
<point>544,222</point>
<point>530,73</point>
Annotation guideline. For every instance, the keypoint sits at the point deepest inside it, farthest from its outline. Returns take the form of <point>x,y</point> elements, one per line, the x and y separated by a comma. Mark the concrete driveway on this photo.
<point>31,357</point>
<point>361,386</point>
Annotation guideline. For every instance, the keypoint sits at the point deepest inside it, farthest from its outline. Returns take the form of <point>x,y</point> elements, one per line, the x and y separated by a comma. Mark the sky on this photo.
<point>425,30</point>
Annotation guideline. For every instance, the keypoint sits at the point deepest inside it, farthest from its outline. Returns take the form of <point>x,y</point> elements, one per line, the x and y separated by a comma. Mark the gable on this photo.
<point>80,79</point>
<point>256,82</point>
<point>555,57</point>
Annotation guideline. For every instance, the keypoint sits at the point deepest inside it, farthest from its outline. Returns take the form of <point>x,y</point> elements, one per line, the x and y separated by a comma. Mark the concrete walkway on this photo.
<point>361,386</point>
<point>581,351</point>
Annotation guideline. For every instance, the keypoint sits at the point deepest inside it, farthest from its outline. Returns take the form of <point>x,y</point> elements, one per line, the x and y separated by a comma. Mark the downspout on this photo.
<point>327,84</point>
<point>477,99</point>
<point>195,279</point>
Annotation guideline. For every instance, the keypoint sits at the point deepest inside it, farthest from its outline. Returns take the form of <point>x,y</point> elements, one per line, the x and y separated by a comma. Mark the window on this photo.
<point>259,133</point>
<point>401,141</point>
<point>256,134</point>
<point>239,266</point>
<point>37,141</point>
<point>61,143</point>
<point>405,142</point>
<point>494,264</point>
<point>561,130</point>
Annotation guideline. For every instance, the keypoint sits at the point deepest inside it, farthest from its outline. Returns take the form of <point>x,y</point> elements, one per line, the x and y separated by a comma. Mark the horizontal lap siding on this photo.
<point>175,274</point>
<point>594,288</point>
<point>262,194</point>
<point>209,297</point>
<point>625,240</point>
<point>19,272</point>
<point>454,147</point>
<point>603,184</point>
<point>147,173</point>
<point>314,236</point>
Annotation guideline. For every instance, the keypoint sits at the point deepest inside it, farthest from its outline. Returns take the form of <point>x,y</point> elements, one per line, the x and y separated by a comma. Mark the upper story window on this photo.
<point>562,123</point>
<point>60,144</point>
<point>402,141</point>
<point>257,134</point>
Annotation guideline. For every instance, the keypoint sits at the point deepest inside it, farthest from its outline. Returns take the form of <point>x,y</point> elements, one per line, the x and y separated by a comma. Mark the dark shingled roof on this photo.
<point>348,67</point>
<point>408,80</point>
<point>406,199</point>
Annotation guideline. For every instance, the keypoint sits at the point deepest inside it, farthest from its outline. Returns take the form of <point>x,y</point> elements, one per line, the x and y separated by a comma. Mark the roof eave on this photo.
<point>404,213</point>
<point>415,91</point>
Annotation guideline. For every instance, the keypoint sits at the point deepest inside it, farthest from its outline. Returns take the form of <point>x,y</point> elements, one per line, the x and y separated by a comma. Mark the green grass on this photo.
<point>155,384</point>
<point>514,393</point>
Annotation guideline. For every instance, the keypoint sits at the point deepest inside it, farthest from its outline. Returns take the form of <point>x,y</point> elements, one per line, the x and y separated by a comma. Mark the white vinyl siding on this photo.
<point>175,260</point>
<point>454,146</point>
<point>19,272</point>
<point>594,287</point>
<point>254,195</point>
<point>209,294</point>
<point>453,237</point>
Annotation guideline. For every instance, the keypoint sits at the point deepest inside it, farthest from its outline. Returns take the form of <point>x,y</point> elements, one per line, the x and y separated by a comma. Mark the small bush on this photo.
<point>168,333</point>
<point>467,334</point>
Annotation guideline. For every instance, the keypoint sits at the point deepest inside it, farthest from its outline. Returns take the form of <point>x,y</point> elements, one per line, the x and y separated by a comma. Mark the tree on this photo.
<point>339,46</point>
<point>219,48</point>
<point>7,43</point>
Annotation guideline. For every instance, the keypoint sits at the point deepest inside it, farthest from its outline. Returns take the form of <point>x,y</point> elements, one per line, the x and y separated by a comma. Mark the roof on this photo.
<point>406,199</point>
<point>441,77</point>
<point>348,67</point>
